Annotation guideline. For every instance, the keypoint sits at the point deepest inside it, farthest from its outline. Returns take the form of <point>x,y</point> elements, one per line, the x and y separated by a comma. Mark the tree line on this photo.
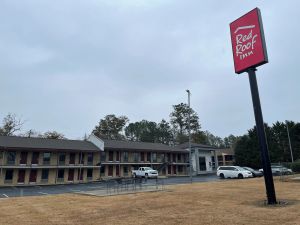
<point>247,150</point>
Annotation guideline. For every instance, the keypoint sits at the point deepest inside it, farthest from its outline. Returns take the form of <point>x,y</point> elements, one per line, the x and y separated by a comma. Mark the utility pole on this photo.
<point>189,130</point>
<point>288,133</point>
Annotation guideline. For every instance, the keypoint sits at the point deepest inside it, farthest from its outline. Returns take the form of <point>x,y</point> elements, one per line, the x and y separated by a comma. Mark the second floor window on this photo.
<point>142,156</point>
<point>46,158</point>
<point>35,158</point>
<point>154,158</point>
<point>125,156</point>
<point>111,156</point>
<point>11,158</point>
<point>62,159</point>
<point>81,158</point>
<point>90,158</point>
<point>135,157</point>
<point>149,156</point>
<point>72,158</point>
<point>23,158</point>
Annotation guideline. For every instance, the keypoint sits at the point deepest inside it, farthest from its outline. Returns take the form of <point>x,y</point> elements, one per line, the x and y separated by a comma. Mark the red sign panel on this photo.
<point>248,41</point>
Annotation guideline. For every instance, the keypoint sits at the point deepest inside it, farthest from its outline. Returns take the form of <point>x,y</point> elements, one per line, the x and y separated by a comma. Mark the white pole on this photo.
<point>189,130</point>
<point>288,133</point>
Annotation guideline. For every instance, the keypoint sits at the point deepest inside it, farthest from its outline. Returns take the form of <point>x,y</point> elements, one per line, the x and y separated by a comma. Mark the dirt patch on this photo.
<point>231,202</point>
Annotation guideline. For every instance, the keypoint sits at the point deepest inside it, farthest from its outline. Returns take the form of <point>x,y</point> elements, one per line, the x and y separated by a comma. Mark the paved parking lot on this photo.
<point>7,192</point>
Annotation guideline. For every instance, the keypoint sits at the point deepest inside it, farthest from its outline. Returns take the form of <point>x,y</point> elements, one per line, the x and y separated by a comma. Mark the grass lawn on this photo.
<point>230,202</point>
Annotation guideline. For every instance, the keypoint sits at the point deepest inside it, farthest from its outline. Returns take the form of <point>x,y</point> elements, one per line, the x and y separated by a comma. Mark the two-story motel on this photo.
<point>37,161</point>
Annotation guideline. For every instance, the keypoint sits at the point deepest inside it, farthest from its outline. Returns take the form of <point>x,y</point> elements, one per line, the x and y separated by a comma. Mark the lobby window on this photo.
<point>45,175</point>
<point>90,158</point>
<point>125,156</point>
<point>110,171</point>
<point>11,158</point>
<point>46,158</point>
<point>9,176</point>
<point>72,158</point>
<point>62,159</point>
<point>89,174</point>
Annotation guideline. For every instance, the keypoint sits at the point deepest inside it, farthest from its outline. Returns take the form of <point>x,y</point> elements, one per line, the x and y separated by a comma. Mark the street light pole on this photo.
<point>189,130</point>
<point>288,133</point>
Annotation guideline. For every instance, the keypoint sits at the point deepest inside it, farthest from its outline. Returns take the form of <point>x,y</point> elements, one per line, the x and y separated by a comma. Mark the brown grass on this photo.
<point>230,202</point>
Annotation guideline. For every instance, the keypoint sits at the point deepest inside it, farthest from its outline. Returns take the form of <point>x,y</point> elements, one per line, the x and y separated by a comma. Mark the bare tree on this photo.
<point>10,125</point>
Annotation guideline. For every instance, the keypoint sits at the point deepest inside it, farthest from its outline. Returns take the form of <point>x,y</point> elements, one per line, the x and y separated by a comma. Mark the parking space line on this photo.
<point>5,195</point>
<point>43,193</point>
<point>74,190</point>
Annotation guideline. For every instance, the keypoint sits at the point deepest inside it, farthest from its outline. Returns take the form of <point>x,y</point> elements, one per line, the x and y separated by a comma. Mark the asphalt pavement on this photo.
<point>8,192</point>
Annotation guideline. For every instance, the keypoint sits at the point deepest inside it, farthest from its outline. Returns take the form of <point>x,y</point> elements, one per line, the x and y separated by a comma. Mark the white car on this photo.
<point>233,172</point>
<point>146,172</point>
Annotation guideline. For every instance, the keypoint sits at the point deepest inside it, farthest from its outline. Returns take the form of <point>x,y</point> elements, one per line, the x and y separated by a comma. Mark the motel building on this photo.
<point>38,161</point>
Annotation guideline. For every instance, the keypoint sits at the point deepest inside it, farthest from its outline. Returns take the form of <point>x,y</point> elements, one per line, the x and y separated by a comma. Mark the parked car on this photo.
<point>279,170</point>
<point>146,172</point>
<point>255,173</point>
<point>233,172</point>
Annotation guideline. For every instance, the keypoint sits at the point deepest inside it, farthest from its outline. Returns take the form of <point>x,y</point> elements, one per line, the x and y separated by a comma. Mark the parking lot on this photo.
<point>8,192</point>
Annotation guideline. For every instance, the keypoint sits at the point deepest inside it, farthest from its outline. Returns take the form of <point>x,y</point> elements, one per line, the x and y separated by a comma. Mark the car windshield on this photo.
<point>248,168</point>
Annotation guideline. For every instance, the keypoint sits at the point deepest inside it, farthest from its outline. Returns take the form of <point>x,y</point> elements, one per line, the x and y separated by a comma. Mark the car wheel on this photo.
<point>146,176</point>
<point>222,176</point>
<point>134,175</point>
<point>240,176</point>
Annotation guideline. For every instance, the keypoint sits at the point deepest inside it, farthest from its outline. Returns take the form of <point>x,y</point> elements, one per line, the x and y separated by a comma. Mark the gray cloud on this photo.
<point>66,64</point>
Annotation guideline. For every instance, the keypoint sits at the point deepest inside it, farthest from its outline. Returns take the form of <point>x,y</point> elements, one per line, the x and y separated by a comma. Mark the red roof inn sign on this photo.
<point>248,41</point>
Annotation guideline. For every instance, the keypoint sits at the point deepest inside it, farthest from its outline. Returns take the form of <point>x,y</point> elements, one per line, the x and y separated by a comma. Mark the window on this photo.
<point>180,169</point>
<point>45,174</point>
<point>81,158</point>
<point>179,157</point>
<point>135,157</point>
<point>11,158</point>
<point>23,158</point>
<point>125,171</point>
<point>21,176</point>
<point>46,158</point>
<point>125,156</point>
<point>89,174</point>
<point>102,170</point>
<point>228,157</point>
<point>118,156</point>
<point>60,175</point>
<point>62,159</point>
<point>35,158</point>
<point>103,156</point>
<point>111,156</point>
<point>149,156</point>
<point>117,170</point>
<point>9,176</point>
<point>90,158</point>
<point>32,176</point>
<point>80,174</point>
<point>110,171</point>
<point>154,158</point>
<point>71,175</point>
<point>72,158</point>
<point>142,156</point>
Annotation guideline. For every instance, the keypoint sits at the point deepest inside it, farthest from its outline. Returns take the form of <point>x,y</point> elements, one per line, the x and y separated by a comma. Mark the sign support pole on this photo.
<point>269,183</point>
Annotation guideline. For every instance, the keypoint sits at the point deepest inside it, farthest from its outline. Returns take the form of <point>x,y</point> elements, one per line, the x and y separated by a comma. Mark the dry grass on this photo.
<point>231,202</point>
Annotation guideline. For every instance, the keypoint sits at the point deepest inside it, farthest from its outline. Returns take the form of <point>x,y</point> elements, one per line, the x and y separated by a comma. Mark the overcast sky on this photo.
<point>64,65</point>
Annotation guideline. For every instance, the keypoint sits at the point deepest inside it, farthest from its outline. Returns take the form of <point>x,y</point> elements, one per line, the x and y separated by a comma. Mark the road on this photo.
<point>8,192</point>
